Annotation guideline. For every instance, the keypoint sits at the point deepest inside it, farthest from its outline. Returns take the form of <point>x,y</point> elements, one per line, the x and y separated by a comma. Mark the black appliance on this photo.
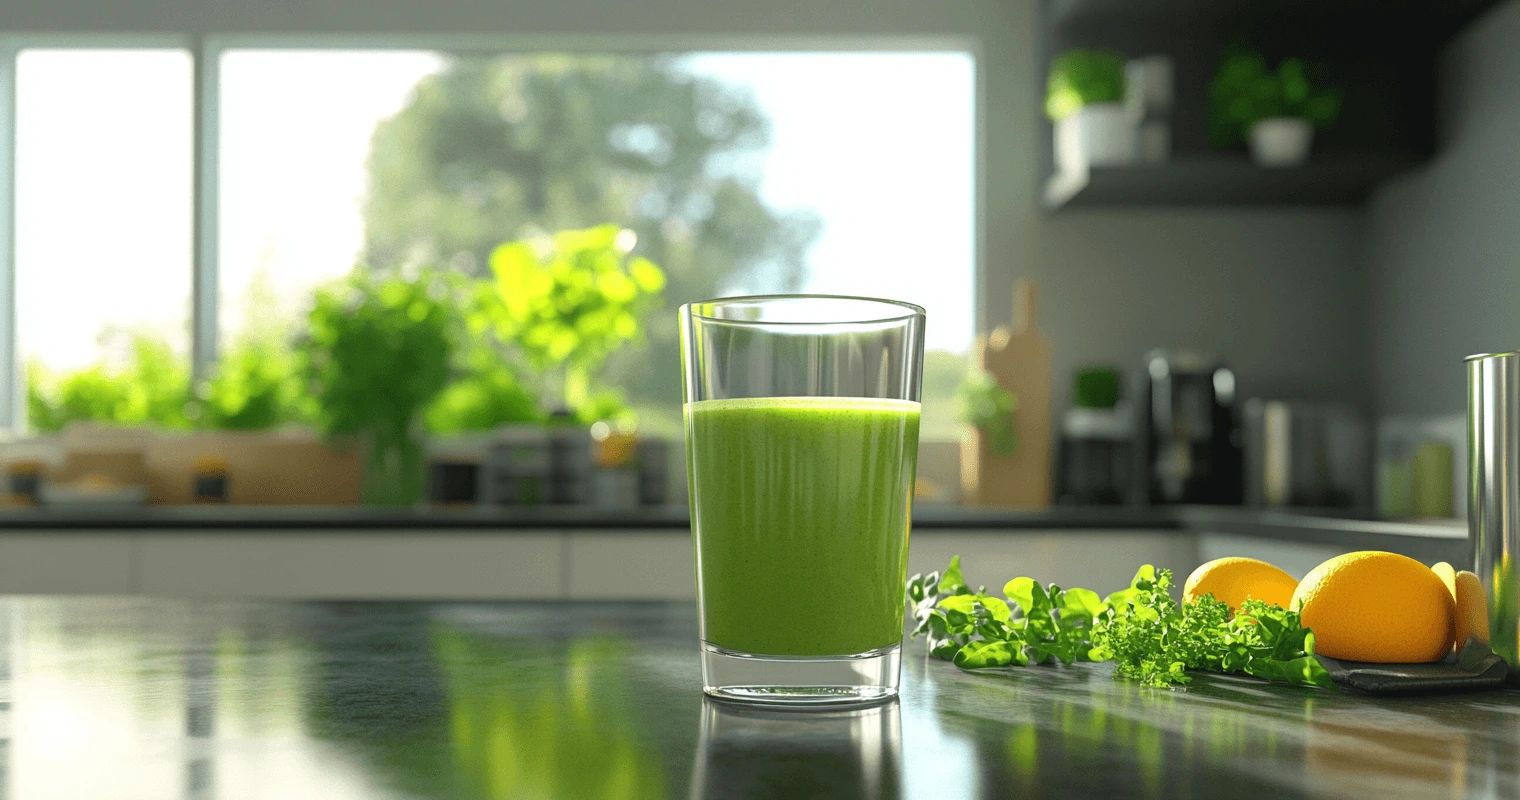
<point>1190,437</point>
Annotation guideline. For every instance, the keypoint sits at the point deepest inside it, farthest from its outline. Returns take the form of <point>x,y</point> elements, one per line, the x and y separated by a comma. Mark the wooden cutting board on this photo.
<point>1018,358</point>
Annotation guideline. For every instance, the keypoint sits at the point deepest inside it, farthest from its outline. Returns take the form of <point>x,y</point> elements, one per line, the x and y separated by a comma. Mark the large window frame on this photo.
<point>206,57</point>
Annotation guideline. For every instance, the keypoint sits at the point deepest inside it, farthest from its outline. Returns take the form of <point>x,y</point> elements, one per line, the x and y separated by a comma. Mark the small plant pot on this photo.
<point>1097,135</point>
<point>1281,141</point>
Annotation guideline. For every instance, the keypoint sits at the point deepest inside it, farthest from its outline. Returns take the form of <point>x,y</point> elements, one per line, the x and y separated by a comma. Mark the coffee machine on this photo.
<point>1190,437</point>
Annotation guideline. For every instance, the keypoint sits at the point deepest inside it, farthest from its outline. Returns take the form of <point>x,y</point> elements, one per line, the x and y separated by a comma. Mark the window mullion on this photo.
<point>12,384</point>
<point>203,314</point>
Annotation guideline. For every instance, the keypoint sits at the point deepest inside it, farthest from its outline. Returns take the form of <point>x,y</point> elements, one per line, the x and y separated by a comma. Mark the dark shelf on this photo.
<point>1227,181</point>
<point>1432,20</point>
<point>1384,56</point>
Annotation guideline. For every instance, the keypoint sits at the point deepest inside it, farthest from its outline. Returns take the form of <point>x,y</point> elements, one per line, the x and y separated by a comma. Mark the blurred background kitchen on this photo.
<point>379,299</point>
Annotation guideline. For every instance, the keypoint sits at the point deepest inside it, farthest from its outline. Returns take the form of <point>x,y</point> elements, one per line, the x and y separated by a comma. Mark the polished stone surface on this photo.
<point>129,698</point>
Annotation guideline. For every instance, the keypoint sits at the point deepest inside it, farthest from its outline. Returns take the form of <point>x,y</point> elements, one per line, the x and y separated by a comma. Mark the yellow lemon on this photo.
<point>1375,606</point>
<point>1447,574</point>
<point>1472,608</point>
<point>1232,580</point>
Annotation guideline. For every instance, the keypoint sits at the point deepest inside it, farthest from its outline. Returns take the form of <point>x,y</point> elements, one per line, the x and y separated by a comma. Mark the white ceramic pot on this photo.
<point>1281,141</point>
<point>1097,135</point>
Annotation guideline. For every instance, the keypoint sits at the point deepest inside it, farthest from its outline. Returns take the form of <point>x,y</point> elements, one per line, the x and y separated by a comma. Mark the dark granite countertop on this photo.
<point>126,698</point>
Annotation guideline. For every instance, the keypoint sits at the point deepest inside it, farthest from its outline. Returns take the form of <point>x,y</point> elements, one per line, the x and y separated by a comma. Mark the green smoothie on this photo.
<point>800,508</point>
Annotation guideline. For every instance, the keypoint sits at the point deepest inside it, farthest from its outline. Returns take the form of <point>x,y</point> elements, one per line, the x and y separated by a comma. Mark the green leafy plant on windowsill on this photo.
<point>375,354</point>
<point>487,392</point>
<point>255,386</point>
<point>1245,91</point>
<point>150,388</point>
<point>1083,77</point>
<point>564,304</point>
<point>988,407</point>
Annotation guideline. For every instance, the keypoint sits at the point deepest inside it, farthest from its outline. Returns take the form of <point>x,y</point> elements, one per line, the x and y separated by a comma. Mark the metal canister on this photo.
<point>1493,505</point>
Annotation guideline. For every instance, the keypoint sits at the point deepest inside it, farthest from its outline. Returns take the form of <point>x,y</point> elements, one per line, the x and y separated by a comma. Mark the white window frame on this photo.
<point>206,57</point>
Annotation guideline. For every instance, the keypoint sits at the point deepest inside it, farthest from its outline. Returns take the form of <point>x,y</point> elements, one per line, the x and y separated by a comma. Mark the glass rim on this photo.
<point>910,310</point>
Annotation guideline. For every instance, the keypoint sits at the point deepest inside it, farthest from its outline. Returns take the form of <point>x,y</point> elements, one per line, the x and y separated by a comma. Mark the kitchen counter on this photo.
<point>142,697</point>
<point>926,515</point>
<point>632,554</point>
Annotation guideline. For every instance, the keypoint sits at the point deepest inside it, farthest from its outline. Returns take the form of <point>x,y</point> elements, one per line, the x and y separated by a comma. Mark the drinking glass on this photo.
<point>801,416</point>
<point>849,753</point>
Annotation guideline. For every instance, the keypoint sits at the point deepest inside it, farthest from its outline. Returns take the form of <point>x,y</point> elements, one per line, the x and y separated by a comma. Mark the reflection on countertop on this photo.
<point>125,698</point>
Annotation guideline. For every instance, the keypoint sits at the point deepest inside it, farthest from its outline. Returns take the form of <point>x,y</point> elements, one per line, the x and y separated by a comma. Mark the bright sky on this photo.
<point>879,145</point>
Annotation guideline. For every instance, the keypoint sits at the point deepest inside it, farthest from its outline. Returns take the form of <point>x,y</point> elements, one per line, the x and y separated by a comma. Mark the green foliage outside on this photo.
<point>496,149</point>
<point>1082,77</point>
<point>1244,90</point>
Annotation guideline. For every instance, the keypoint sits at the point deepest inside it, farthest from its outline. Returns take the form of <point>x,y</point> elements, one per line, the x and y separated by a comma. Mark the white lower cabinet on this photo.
<point>412,565</point>
<point>610,565</point>
<point>64,562</point>
<point>631,565</point>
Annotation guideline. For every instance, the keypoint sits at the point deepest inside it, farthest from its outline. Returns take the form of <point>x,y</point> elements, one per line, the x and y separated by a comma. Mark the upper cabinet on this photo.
<point>1372,65</point>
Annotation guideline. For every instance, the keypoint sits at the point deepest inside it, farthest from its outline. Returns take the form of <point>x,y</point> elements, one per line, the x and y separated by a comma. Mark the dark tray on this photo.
<point>1474,668</point>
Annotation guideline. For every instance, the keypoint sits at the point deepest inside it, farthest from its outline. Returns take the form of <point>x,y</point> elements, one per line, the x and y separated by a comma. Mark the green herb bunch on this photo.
<point>1153,639</point>
<point>1149,636</point>
<point>975,629</point>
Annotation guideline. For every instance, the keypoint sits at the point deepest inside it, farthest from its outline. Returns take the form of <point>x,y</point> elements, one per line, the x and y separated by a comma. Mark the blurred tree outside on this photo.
<point>943,371</point>
<point>496,149</point>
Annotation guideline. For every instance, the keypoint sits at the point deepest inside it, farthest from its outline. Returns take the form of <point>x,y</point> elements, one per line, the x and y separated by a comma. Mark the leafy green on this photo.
<point>975,629</point>
<point>1148,635</point>
<point>1082,77</point>
<point>568,303</point>
<point>1245,90</point>
<point>988,407</point>
<point>377,352</point>
<point>255,386</point>
<point>151,387</point>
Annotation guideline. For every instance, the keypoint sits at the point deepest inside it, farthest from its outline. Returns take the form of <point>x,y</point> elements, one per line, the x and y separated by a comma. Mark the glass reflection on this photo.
<point>200,718</point>
<point>7,658</point>
<point>758,752</point>
<point>527,721</point>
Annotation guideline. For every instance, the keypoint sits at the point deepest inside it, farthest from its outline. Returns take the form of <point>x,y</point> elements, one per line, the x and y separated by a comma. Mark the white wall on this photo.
<point>1444,244</point>
<point>1275,291</point>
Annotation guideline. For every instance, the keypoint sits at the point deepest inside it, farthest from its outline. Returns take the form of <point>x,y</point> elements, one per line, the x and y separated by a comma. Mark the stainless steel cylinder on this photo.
<point>1493,505</point>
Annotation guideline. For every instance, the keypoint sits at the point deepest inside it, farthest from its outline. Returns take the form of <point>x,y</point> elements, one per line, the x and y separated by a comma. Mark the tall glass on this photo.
<point>801,418</point>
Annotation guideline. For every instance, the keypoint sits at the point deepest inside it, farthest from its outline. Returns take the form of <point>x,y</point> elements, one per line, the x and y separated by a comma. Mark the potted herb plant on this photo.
<point>1275,111</point>
<point>376,354</point>
<point>1084,97</point>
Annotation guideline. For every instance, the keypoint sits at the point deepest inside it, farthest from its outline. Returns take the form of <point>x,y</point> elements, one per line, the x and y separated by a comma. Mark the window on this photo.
<point>740,172</point>
<point>103,206</point>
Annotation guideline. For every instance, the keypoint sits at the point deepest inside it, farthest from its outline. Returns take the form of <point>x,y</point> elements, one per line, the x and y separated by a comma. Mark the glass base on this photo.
<point>867,677</point>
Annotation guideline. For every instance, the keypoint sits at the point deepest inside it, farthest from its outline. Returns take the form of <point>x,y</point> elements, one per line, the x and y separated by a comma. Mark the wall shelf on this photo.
<point>1221,180</point>
<point>1384,56</point>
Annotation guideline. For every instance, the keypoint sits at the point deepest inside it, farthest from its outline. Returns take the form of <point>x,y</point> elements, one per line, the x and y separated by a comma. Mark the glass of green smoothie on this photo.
<point>801,417</point>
